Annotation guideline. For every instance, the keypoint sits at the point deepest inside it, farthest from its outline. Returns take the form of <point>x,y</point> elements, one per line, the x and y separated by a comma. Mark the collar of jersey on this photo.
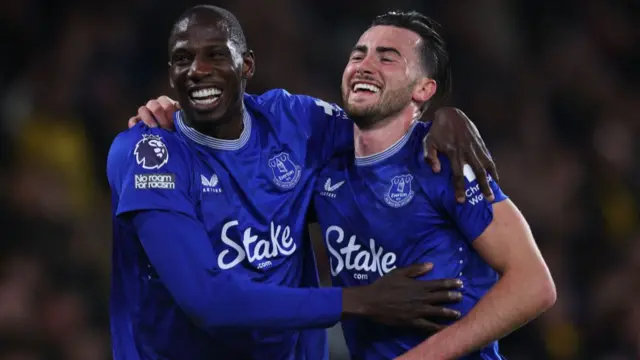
<point>215,143</point>
<point>388,152</point>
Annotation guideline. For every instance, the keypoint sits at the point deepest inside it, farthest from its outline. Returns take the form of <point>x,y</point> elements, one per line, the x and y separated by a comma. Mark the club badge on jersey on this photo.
<point>400,192</point>
<point>286,173</point>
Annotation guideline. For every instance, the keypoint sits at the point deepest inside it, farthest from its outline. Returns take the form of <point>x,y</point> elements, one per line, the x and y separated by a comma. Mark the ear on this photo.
<point>170,78</point>
<point>424,90</point>
<point>248,65</point>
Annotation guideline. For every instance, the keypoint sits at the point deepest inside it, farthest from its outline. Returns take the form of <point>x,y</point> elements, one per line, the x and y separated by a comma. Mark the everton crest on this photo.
<point>400,192</point>
<point>150,152</point>
<point>286,172</point>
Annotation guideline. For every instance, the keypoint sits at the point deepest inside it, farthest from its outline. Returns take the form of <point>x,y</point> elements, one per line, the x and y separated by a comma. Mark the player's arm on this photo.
<point>152,184</point>
<point>326,125</point>
<point>179,249</point>
<point>152,179</point>
<point>524,290</point>
<point>452,133</point>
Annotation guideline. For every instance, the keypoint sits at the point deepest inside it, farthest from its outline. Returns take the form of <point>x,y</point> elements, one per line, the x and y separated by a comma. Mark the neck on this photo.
<point>228,128</point>
<point>381,137</point>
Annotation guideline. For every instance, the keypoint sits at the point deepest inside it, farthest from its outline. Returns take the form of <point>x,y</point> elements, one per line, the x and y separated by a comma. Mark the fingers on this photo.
<point>147,117</point>
<point>483,181</point>
<point>458,176</point>
<point>431,154</point>
<point>488,163</point>
<point>442,284</point>
<point>169,107</point>
<point>481,176</point>
<point>434,312</point>
<point>442,297</point>
<point>133,121</point>
<point>491,168</point>
<point>168,104</point>
<point>493,171</point>
<point>432,159</point>
<point>483,153</point>
<point>414,270</point>
<point>159,113</point>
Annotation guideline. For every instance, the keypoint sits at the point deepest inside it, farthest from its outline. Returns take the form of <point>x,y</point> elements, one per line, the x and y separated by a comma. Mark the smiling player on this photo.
<point>211,254</point>
<point>385,208</point>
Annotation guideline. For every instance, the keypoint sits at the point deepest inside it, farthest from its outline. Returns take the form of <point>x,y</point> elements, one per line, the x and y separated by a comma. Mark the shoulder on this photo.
<point>415,144</point>
<point>142,137</point>
<point>281,97</point>
<point>431,182</point>
<point>280,101</point>
<point>150,148</point>
<point>276,100</point>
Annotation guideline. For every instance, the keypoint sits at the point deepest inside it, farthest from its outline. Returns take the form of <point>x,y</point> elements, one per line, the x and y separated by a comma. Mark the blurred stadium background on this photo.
<point>551,84</point>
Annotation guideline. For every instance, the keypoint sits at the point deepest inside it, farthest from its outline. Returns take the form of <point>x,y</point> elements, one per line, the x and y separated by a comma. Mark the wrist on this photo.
<point>353,302</point>
<point>433,348</point>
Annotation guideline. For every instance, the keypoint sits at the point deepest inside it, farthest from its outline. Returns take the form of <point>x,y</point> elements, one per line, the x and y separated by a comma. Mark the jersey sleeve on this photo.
<point>180,251</point>
<point>147,170</point>
<point>331,131</point>
<point>476,213</point>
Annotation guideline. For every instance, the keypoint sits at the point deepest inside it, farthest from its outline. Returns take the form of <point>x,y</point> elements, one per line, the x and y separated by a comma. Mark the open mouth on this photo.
<point>365,88</point>
<point>205,98</point>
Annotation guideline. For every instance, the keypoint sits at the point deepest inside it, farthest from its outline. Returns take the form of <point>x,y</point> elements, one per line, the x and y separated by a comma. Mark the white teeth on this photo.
<point>205,93</point>
<point>368,87</point>
<point>206,101</point>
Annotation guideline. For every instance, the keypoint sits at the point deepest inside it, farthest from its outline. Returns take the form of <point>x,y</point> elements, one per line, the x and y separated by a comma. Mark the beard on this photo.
<point>369,116</point>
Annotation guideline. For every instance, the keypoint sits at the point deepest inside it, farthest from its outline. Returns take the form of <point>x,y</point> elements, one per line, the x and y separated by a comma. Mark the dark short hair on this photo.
<point>433,52</point>
<point>236,34</point>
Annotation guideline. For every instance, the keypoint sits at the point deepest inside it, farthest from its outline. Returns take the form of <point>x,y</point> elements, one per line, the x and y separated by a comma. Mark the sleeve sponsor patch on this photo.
<point>155,181</point>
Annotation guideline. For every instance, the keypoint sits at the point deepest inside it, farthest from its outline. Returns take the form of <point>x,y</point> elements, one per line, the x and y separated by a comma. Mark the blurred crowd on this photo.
<point>553,86</point>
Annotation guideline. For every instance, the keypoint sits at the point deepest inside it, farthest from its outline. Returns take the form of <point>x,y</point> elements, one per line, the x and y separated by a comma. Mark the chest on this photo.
<point>253,205</point>
<point>374,221</point>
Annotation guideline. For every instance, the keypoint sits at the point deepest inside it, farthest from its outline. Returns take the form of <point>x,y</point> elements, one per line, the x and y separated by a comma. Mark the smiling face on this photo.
<point>207,68</point>
<point>384,75</point>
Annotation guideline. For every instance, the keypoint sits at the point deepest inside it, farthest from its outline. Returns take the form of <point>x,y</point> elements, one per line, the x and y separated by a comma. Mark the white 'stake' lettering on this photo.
<point>280,243</point>
<point>352,257</point>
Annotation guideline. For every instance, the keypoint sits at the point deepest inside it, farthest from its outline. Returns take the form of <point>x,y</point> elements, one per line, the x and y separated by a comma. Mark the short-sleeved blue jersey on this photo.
<point>251,194</point>
<point>390,210</point>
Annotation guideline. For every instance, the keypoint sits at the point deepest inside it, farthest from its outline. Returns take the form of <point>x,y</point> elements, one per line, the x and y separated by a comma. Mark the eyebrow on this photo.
<point>379,49</point>
<point>212,45</point>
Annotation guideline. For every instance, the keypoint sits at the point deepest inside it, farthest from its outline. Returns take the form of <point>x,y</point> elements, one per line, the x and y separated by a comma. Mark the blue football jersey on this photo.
<point>391,210</point>
<point>252,195</point>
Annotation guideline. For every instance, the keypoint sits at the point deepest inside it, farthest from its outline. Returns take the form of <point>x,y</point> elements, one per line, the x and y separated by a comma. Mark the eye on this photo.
<point>216,55</point>
<point>181,59</point>
<point>386,60</point>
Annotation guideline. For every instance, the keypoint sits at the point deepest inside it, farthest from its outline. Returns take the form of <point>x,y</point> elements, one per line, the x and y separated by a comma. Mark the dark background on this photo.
<point>552,86</point>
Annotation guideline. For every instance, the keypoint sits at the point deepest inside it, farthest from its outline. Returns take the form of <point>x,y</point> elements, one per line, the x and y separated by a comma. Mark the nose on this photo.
<point>199,69</point>
<point>366,66</point>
